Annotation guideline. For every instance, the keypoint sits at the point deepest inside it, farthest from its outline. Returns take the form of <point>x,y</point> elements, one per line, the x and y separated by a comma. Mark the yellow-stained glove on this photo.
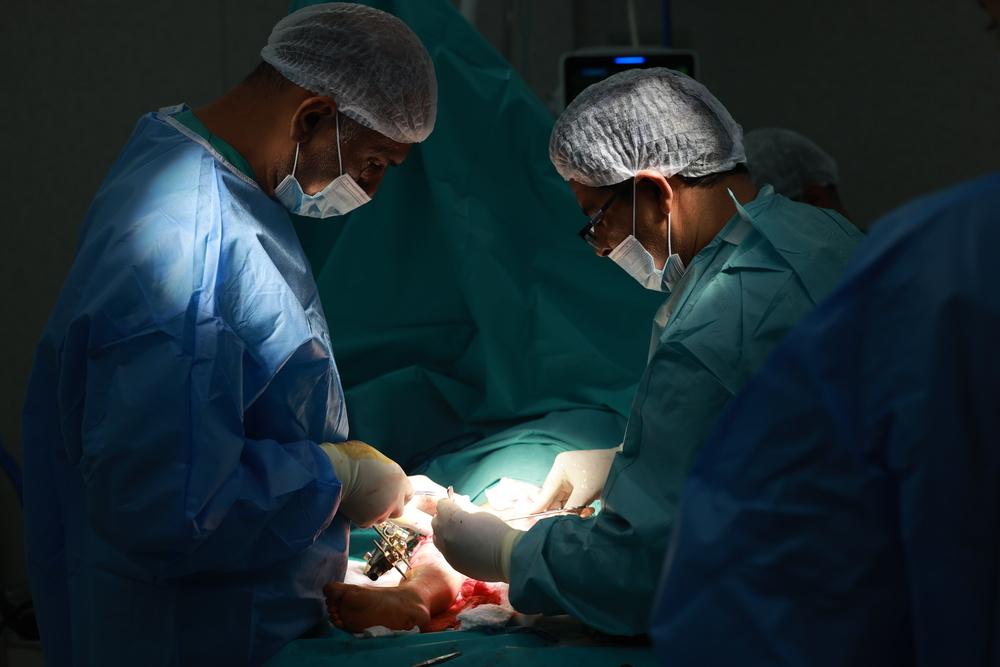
<point>373,487</point>
<point>477,544</point>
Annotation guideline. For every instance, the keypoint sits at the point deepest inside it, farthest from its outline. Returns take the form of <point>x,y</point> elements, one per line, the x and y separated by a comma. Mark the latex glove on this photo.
<point>476,544</point>
<point>425,486</point>
<point>422,506</point>
<point>374,487</point>
<point>427,493</point>
<point>576,479</point>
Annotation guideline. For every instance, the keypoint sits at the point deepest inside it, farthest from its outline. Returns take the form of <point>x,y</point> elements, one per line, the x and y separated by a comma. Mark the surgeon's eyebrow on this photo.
<point>389,153</point>
<point>390,159</point>
<point>593,207</point>
<point>588,208</point>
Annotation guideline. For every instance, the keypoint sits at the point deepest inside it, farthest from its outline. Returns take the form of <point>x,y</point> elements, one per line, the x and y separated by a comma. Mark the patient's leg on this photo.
<point>430,587</point>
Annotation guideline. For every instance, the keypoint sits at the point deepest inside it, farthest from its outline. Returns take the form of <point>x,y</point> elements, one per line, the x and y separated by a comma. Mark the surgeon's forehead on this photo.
<point>589,198</point>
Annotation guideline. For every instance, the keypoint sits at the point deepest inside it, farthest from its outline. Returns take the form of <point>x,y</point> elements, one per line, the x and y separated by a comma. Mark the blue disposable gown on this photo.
<point>846,510</point>
<point>759,276</point>
<point>178,509</point>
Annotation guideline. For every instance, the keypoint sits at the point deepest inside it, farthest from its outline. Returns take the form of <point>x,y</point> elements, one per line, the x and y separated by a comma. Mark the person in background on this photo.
<point>795,166</point>
<point>188,480</point>
<point>658,166</point>
<point>845,511</point>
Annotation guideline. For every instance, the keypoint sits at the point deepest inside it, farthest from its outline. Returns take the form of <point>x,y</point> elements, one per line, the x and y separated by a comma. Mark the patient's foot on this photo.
<point>355,608</point>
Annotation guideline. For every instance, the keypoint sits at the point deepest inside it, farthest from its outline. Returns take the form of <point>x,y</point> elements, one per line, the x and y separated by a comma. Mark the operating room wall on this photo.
<point>904,93</point>
<point>76,76</point>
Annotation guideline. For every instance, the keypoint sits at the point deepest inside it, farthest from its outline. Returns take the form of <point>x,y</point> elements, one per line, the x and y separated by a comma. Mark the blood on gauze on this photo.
<point>472,594</point>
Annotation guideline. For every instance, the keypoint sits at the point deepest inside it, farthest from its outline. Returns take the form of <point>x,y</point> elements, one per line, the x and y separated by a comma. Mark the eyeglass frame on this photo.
<point>587,232</point>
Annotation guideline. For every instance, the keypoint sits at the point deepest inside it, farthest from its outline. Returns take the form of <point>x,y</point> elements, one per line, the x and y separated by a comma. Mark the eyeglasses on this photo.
<point>588,233</point>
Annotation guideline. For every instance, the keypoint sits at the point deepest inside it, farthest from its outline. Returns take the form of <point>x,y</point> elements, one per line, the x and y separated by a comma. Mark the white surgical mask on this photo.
<point>636,261</point>
<point>341,196</point>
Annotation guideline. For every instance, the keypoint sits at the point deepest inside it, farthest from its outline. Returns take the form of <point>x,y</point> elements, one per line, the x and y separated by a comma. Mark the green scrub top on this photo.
<point>769,266</point>
<point>193,123</point>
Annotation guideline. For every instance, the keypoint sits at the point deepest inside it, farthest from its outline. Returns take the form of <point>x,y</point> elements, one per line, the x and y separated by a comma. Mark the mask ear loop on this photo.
<point>340,165</point>
<point>295,162</point>
<point>633,209</point>
<point>670,248</point>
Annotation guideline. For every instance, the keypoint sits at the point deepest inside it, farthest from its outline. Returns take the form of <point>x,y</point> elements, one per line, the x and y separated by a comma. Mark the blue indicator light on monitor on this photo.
<point>630,60</point>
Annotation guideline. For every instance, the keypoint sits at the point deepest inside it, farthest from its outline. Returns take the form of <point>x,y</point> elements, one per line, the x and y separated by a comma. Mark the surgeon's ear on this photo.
<point>657,184</point>
<point>309,115</point>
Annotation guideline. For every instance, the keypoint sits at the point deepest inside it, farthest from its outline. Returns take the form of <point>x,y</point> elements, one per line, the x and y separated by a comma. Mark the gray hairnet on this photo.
<point>788,161</point>
<point>368,61</point>
<point>644,119</point>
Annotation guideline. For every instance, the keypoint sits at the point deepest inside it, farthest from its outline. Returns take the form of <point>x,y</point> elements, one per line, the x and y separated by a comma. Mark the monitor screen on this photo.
<point>582,70</point>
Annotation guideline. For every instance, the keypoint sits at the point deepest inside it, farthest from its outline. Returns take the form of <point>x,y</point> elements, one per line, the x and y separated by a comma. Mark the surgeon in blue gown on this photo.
<point>657,162</point>
<point>188,487</point>
<point>846,509</point>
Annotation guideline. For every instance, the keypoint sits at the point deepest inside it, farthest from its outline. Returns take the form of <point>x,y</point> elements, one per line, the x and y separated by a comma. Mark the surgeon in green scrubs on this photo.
<point>657,163</point>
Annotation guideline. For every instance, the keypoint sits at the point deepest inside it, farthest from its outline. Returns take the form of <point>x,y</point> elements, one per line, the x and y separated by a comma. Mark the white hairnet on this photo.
<point>368,61</point>
<point>788,161</point>
<point>638,119</point>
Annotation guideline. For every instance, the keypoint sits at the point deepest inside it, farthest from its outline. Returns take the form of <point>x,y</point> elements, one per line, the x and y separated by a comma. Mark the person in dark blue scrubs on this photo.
<point>846,509</point>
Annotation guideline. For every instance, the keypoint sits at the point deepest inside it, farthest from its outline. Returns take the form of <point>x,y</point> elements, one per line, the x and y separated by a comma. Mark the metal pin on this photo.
<point>390,559</point>
<point>539,515</point>
<point>438,660</point>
